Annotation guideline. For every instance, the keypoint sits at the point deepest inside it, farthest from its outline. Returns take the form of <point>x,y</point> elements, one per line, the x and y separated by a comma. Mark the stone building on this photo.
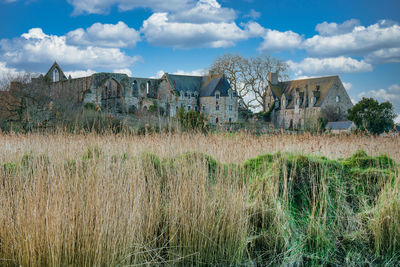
<point>115,92</point>
<point>299,103</point>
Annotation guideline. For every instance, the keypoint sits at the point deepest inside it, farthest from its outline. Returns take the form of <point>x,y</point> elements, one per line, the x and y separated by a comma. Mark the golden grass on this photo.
<point>223,147</point>
<point>85,200</point>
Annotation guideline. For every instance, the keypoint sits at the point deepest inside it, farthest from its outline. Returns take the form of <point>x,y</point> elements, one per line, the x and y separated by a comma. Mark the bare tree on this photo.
<point>257,78</point>
<point>233,67</point>
<point>24,101</point>
<point>249,77</point>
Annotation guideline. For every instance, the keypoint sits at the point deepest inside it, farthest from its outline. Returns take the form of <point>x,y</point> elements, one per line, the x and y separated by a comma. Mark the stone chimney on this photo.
<point>273,78</point>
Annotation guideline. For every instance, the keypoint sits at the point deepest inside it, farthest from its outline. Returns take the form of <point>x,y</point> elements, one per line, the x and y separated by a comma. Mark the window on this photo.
<point>317,87</point>
<point>216,120</point>
<point>230,120</point>
<point>134,88</point>
<point>337,99</point>
<point>216,106</point>
<point>189,108</point>
<point>192,94</point>
<point>196,108</point>
<point>56,75</point>
<point>148,87</point>
<point>204,108</point>
<point>230,108</point>
<point>217,95</point>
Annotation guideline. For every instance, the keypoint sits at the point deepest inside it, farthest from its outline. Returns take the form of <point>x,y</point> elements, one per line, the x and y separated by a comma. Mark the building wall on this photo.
<point>338,89</point>
<point>224,114</point>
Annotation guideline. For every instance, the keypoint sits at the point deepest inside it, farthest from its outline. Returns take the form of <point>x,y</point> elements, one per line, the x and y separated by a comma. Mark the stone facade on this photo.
<point>115,92</point>
<point>299,103</point>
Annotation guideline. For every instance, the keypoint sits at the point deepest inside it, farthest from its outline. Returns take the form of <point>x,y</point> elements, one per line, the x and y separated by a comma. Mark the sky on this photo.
<point>359,40</point>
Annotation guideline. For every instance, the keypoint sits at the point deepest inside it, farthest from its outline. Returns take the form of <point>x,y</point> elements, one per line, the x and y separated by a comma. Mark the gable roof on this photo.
<point>49,72</point>
<point>339,125</point>
<point>220,84</point>
<point>185,83</point>
<point>307,86</point>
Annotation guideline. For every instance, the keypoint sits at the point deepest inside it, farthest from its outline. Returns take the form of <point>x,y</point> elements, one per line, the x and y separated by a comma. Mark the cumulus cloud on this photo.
<point>391,94</point>
<point>8,72</point>
<point>105,35</point>
<point>388,55</point>
<point>360,41</point>
<point>328,66</point>
<point>79,73</point>
<point>205,11</point>
<point>160,31</point>
<point>124,71</point>
<point>36,49</point>
<point>278,41</point>
<point>329,29</point>
<point>199,72</point>
<point>103,6</point>
<point>253,14</point>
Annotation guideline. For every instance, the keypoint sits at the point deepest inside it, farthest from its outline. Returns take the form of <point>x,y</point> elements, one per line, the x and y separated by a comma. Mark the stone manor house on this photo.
<point>299,103</point>
<point>115,92</point>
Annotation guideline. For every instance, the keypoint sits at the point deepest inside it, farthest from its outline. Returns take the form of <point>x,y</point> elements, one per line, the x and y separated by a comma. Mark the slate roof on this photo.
<point>288,89</point>
<point>339,125</point>
<point>185,83</point>
<point>220,84</point>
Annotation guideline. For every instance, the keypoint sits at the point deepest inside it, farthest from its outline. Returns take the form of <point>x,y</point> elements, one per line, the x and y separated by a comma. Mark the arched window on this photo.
<point>216,106</point>
<point>148,87</point>
<point>134,88</point>
<point>56,75</point>
<point>216,120</point>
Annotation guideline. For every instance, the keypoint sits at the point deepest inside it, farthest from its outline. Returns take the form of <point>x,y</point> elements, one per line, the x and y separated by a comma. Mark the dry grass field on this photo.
<point>193,199</point>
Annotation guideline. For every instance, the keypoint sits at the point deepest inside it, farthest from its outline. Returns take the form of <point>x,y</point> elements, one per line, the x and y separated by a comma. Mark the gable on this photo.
<point>55,73</point>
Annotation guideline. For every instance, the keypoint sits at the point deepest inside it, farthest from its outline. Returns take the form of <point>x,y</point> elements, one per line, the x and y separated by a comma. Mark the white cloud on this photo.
<point>205,11</point>
<point>105,35</point>
<point>326,66</point>
<point>391,94</point>
<point>79,73</point>
<point>360,41</point>
<point>397,120</point>
<point>6,72</point>
<point>329,29</point>
<point>253,14</point>
<point>200,72</point>
<point>36,48</point>
<point>387,55</point>
<point>278,41</point>
<point>347,86</point>
<point>103,6</point>
<point>124,71</point>
<point>160,31</point>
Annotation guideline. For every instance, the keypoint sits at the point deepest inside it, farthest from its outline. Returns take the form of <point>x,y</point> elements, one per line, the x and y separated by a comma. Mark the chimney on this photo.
<point>273,78</point>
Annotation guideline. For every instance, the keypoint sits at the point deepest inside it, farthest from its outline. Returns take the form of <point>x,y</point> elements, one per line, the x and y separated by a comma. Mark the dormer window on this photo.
<point>217,95</point>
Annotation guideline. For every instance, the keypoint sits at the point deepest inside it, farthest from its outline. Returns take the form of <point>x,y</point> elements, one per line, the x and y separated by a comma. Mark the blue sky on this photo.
<point>358,39</point>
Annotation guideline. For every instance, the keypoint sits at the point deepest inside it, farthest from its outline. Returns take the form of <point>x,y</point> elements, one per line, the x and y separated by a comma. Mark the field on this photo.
<point>194,199</point>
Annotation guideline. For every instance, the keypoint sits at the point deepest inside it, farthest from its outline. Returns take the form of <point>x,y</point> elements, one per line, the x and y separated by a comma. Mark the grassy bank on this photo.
<point>114,200</point>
